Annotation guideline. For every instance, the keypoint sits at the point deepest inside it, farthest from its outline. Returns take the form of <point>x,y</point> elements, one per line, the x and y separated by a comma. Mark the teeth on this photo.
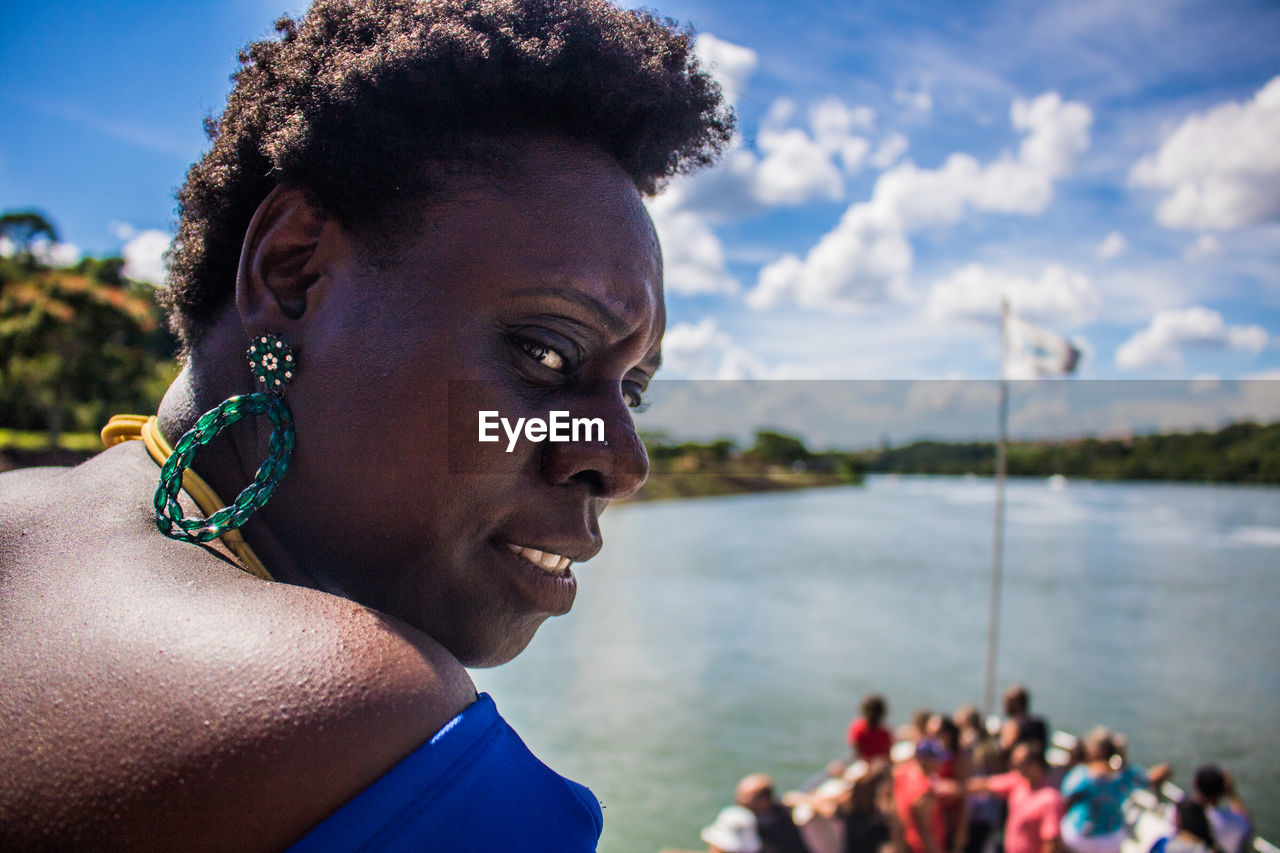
<point>545,560</point>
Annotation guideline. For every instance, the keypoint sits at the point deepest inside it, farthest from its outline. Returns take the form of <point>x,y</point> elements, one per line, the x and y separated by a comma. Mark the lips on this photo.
<point>542,576</point>
<point>552,564</point>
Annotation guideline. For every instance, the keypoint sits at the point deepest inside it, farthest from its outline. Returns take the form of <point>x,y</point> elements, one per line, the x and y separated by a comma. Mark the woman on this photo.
<point>982,755</point>
<point>868,737</point>
<point>1095,792</point>
<point>870,822</point>
<point>953,804</point>
<point>437,208</point>
<point>1192,832</point>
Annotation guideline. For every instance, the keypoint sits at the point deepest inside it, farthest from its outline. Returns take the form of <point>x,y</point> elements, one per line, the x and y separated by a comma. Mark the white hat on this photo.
<point>734,831</point>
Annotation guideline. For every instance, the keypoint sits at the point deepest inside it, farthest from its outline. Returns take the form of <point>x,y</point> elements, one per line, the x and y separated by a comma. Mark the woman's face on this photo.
<point>542,295</point>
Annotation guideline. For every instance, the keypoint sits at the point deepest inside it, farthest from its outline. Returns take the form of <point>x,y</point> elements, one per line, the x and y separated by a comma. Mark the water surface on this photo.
<point>720,636</point>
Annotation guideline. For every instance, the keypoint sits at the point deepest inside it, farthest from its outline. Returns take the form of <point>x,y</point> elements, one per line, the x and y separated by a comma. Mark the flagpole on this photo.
<point>997,551</point>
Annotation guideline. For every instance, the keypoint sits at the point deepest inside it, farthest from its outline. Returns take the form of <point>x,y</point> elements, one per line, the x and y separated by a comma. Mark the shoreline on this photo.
<point>664,486</point>
<point>669,485</point>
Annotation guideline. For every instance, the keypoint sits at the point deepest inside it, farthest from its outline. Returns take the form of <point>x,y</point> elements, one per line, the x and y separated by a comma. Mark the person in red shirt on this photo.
<point>868,738</point>
<point>914,797</point>
<point>1035,805</point>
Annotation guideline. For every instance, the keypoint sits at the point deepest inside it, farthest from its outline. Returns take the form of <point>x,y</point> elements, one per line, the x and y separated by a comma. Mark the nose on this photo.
<point>613,468</point>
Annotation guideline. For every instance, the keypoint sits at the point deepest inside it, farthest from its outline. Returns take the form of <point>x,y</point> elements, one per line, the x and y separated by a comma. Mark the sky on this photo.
<point>1112,169</point>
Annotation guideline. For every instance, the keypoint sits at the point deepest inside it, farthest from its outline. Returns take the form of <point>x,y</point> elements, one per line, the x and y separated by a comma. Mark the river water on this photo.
<point>720,636</point>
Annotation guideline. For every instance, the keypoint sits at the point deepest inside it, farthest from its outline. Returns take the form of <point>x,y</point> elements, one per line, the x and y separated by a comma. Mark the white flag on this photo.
<point>1036,351</point>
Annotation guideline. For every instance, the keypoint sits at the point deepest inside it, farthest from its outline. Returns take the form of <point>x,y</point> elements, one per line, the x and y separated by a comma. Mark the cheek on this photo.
<point>488,465</point>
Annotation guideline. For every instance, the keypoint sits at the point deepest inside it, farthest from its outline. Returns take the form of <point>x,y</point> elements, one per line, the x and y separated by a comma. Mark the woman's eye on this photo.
<point>544,355</point>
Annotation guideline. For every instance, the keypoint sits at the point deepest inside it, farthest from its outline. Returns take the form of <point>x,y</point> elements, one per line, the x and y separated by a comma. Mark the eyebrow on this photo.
<point>572,294</point>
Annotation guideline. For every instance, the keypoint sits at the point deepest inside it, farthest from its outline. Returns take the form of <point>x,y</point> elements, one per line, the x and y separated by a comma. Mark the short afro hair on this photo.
<point>359,84</point>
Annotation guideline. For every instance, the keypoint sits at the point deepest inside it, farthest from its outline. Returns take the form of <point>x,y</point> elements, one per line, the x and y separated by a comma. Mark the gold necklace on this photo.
<point>122,428</point>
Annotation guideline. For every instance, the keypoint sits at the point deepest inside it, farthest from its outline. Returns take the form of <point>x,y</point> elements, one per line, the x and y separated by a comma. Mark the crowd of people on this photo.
<point>946,784</point>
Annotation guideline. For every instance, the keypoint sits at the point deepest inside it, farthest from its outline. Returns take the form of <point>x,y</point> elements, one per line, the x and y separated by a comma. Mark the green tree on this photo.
<point>75,348</point>
<point>23,228</point>
<point>776,448</point>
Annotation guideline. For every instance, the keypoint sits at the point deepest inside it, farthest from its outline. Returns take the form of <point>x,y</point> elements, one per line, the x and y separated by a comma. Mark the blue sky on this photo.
<point>1113,169</point>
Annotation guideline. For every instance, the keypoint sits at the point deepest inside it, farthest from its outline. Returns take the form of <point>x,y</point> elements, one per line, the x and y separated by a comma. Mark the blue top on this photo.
<point>1095,804</point>
<point>473,787</point>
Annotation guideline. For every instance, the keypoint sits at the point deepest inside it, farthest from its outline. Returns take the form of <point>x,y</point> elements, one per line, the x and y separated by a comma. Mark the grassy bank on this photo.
<point>671,486</point>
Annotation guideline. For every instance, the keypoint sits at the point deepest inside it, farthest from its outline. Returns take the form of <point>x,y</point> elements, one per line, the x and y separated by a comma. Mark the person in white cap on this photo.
<point>734,831</point>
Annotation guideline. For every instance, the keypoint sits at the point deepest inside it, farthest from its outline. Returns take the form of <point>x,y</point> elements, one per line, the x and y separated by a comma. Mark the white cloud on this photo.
<point>796,166</point>
<point>864,260</point>
<point>144,256</point>
<point>1162,342</point>
<point>867,258</point>
<point>1220,168</point>
<point>795,170</point>
<point>1205,246</point>
<point>730,64</point>
<point>792,164</point>
<point>47,252</point>
<point>121,230</point>
<point>834,124</point>
<point>1010,186</point>
<point>692,256</point>
<point>914,198</point>
<point>1057,132</point>
<point>833,119</point>
<point>702,351</point>
<point>64,254</point>
<point>1059,296</point>
<point>1113,246</point>
<point>889,151</point>
<point>1249,338</point>
<point>57,255</point>
<point>918,100</point>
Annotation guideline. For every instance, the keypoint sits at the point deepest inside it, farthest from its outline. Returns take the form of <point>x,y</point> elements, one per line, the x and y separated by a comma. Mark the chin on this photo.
<point>489,648</point>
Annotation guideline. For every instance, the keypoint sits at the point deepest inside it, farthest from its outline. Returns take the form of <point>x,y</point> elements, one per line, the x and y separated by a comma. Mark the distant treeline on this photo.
<point>1240,453</point>
<point>774,462</point>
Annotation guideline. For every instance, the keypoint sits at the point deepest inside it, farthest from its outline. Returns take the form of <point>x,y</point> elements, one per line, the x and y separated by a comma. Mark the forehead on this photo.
<point>564,218</point>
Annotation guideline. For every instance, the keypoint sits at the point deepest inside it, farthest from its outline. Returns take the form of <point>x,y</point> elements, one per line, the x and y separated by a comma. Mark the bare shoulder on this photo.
<point>156,697</point>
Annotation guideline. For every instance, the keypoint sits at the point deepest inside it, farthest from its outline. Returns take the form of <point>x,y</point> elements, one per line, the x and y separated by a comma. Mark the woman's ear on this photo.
<point>280,261</point>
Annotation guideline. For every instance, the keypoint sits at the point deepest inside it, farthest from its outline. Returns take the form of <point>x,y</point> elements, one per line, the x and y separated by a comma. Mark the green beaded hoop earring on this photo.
<point>273,363</point>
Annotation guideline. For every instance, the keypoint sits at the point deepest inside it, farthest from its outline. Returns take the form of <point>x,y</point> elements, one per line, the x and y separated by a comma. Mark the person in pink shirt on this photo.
<point>1035,804</point>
